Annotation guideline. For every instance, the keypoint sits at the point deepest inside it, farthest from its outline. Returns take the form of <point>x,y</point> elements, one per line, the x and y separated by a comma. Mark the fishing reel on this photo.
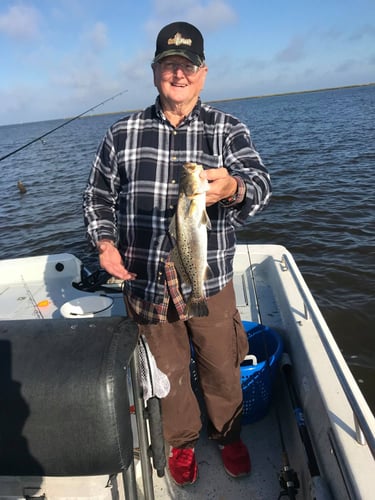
<point>99,280</point>
<point>289,482</point>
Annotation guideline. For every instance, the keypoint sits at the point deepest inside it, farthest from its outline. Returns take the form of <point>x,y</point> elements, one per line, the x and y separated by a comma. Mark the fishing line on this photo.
<point>37,311</point>
<point>61,125</point>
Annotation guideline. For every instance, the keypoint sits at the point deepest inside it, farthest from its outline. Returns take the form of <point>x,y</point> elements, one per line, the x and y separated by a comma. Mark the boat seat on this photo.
<point>64,403</point>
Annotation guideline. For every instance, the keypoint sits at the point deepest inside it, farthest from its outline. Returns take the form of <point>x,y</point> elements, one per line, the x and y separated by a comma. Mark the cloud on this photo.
<point>77,79</point>
<point>367,30</point>
<point>346,66</point>
<point>20,22</point>
<point>211,16</point>
<point>98,37</point>
<point>294,51</point>
<point>331,34</point>
<point>14,100</point>
<point>207,16</point>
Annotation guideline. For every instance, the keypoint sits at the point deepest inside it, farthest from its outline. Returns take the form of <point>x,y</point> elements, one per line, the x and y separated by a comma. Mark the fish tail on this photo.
<point>196,307</point>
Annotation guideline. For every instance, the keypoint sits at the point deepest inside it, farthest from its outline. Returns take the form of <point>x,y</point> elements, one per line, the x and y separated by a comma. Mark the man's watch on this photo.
<point>231,199</point>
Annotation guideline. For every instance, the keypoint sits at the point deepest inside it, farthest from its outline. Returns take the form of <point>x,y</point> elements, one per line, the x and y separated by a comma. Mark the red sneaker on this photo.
<point>236,459</point>
<point>183,466</point>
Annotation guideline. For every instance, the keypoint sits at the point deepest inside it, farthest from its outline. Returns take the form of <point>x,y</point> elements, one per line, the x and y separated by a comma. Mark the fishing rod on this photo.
<point>319,487</point>
<point>288,478</point>
<point>61,125</point>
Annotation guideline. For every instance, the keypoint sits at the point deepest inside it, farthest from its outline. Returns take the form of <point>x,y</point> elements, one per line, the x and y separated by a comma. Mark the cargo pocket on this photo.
<point>241,341</point>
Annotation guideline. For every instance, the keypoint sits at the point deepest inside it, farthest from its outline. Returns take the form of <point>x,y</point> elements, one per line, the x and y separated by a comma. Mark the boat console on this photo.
<point>64,398</point>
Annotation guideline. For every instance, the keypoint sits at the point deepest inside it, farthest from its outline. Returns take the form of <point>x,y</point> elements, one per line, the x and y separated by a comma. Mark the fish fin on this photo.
<point>176,259</point>
<point>191,208</point>
<point>208,273</point>
<point>196,307</point>
<point>173,228</point>
<point>206,220</point>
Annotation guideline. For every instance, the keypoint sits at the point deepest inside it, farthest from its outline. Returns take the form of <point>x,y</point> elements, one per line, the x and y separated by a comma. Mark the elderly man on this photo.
<point>129,201</point>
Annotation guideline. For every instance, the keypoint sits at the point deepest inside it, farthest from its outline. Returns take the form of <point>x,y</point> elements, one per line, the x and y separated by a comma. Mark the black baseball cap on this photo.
<point>182,39</point>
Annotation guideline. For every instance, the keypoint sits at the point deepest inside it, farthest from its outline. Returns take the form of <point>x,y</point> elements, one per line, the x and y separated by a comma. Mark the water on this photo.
<point>320,150</point>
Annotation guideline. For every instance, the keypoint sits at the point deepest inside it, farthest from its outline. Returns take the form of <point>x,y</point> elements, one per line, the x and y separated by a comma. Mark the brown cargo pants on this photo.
<point>220,345</point>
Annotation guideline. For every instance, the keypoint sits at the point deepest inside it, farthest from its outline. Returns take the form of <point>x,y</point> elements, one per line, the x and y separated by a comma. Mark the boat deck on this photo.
<point>263,443</point>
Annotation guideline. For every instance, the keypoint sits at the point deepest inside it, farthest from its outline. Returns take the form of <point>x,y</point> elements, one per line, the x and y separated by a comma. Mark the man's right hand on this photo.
<point>110,260</point>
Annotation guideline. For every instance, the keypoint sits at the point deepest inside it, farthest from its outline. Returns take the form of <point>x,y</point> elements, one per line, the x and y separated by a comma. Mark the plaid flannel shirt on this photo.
<point>132,195</point>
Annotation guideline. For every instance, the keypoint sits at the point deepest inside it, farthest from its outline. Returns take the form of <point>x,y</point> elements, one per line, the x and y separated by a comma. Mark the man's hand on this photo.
<point>221,185</point>
<point>110,260</point>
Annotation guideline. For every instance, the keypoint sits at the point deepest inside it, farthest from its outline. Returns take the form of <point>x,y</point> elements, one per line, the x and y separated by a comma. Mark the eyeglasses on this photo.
<point>171,67</point>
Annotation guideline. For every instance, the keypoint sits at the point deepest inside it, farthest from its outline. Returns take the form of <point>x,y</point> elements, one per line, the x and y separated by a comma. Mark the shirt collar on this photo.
<point>191,117</point>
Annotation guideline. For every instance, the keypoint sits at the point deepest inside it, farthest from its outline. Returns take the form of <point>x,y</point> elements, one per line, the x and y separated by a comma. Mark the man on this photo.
<point>128,204</point>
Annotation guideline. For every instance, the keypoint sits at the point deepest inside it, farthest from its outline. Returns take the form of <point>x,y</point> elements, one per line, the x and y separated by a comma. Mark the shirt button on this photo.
<point>173,181</point>
<point>175,132</point>
<point>171,207</point>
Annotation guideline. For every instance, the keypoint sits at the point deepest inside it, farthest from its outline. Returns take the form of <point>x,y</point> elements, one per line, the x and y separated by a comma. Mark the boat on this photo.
<point>69,360</point>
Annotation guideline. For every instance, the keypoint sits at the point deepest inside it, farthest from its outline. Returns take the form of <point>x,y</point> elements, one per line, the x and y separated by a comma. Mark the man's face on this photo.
<point>178,80</point>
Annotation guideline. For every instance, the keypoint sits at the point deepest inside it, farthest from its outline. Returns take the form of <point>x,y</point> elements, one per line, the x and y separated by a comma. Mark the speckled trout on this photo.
<point>189,229</point>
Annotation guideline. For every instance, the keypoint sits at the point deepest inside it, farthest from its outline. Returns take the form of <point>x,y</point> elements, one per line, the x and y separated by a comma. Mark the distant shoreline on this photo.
<point>212,101</point>
<point>292,93</point>
<point>254,97</point>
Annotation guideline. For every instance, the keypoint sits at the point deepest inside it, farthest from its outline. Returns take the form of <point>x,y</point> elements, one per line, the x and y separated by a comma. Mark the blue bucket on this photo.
<point>258,374</point>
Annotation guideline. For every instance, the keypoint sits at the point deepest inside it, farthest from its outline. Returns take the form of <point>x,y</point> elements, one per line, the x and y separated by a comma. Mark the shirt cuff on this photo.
<point>239,195</point>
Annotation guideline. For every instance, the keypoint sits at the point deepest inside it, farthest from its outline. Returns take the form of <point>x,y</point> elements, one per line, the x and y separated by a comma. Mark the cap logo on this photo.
<point>179,40</point>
